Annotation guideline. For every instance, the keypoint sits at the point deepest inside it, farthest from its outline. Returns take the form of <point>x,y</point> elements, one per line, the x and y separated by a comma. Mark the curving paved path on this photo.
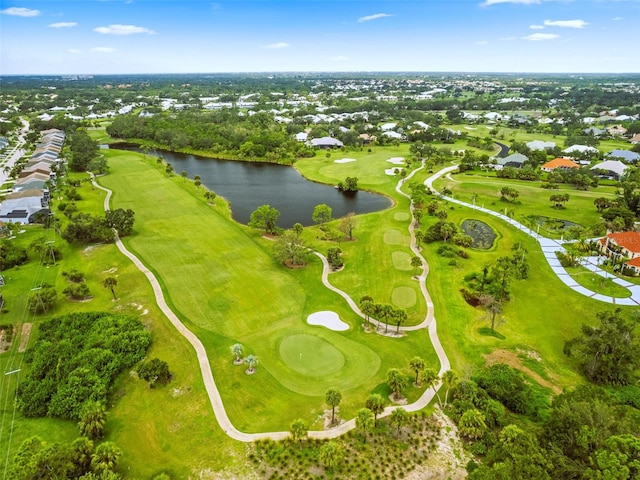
<point>205,367</point>
<point>549,248</point>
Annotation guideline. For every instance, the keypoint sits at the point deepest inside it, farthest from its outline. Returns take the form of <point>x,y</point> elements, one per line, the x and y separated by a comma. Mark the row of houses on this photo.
<point>29,200</point>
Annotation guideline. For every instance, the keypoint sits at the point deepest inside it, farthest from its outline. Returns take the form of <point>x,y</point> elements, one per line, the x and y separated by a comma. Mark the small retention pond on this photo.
<point>482,234</point>
<point>247,185</point>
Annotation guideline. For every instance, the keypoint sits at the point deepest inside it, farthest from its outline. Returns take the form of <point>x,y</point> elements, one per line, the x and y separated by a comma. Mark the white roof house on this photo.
<point>301,137</point>
<point>388,126</point>
<point>326,142</point>
<point>580,149</point>
<point>391,134</point>
<point>626,155</point>
<point>541,145</point>
<point>613,166</point>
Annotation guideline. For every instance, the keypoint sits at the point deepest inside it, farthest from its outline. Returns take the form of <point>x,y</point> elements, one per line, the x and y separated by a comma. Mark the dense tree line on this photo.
<point>76,359</point>
<point>255,137</point>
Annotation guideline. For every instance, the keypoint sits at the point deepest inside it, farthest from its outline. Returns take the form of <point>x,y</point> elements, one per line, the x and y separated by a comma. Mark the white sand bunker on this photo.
<point>345,160</point>
<point>391,171</point>
<point>396,160</point>
<point>328,319</point>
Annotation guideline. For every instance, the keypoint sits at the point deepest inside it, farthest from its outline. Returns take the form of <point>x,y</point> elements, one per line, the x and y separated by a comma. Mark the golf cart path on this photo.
<point>205,367</point>
<point>549,248</point>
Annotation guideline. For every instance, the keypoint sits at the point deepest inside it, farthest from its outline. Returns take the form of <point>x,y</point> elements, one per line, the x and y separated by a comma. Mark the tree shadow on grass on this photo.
<point>487,332</point>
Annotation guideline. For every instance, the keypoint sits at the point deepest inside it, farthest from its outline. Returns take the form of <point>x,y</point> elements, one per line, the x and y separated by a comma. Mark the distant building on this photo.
<point>515,160</point>
<point>626,155</point>
<point>623,246</point>
<point>326,142</point>
<point>559,163</point>
<point>541,145</point>
<point>613,168</point>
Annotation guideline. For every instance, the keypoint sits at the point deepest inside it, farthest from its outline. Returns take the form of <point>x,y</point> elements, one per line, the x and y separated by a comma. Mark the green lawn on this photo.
<point>533,201</point>
<point>221,279</point>
<point>597,283</point>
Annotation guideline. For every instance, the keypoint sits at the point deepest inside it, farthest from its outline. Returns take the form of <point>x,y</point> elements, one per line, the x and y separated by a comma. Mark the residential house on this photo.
<point>559,163</point>
<point>613,169</point>
<point>623,246</point>
<point>580,149</point>
<point>515,160</point>
<point>301,137</point>
<point>596,132</point>
<point>626,155</point>
<point>326,142</point>
<point>635,139</point>
<point>541,145</point>
<point>24,207</point>
<point>616,130</point>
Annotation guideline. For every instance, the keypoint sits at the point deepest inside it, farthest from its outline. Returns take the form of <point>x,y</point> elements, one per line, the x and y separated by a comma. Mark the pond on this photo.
<point>247,185</point>
<point>482,234</point>
<point>555,225</point>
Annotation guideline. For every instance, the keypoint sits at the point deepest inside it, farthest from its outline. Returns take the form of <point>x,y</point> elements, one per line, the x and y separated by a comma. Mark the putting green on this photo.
<point>401,261</point>
<point>393,237</point>
<point>401,216</point>
<point>311,355</point>
<point>329,360</point>
<point>403,297</point>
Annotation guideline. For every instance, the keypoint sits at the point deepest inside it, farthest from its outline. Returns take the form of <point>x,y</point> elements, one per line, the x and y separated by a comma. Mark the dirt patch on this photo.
<point>24,337</point>
<point>111,270</point>
<point>449,459</point>
<point>511,359</point>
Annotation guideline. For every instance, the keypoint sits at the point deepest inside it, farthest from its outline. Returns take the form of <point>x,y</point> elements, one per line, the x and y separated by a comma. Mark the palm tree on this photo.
<point>417,364</point>
<point>93,416</point>
<point>364,421</point>
<point>384,313</point>
<point>251,361</point>
<point>331,454</point>
<point>399,417</point>
<point>299,431</point>
<point>105,458</point>
<point>238,351</point>
<point>376,404</point>
<point>82,449</point>
<point>366,307</point>
<point>430,379</point>
<point>400,316</point>
<point>396,381</point>
<point>449,379</point>
<point>111,283</point>
<point>416,262</point>
<point>183,174</point>
<point>169,169</point>
<point>210,195</point>
<point>333,398</point>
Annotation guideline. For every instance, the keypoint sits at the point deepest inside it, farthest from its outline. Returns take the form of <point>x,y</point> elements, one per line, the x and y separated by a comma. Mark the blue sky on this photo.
<point>183,36</point>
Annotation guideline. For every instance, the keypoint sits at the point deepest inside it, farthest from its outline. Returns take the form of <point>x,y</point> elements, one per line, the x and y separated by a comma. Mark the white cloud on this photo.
<point>278,45</point>
<point>339,58</point>
<point>20,12</point>
<point>103,49</point>
<point>74,50</point>
<point>523,2</point>
<point>368,18</point>
<point>482,42</point>
<point>540,37</point>
<point>508,39</point>
<point>566,23</point>
<point>536,27</point>
<point>615,19</point>
<point>118,29</point>
<point>63,24</point>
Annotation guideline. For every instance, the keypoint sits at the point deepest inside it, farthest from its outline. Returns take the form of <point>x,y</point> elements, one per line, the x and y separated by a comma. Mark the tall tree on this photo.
<point>111,283</point>
<point>417,364</point>
<point>366,306</point>
<point>430,379</point>
<point>291,249</point>
<point>472,424</point>
<point>333,398</point>
<point>299,431</point>
<point>347,225</point>
<point>321,214</point>
<point>449,379</point>
<point>376,404</point>
<point>399,417</point>
<point>331,455</point>
<point>364,422</point>
<point>265,217</point>
<point>237,350</point>
<point>396,381</point>
<point>608,354</point>
<point>83,150</point>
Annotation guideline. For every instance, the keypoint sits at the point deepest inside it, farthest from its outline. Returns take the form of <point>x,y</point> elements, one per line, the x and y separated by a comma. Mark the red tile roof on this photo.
<point>628,240</point>
<point>634,262</point>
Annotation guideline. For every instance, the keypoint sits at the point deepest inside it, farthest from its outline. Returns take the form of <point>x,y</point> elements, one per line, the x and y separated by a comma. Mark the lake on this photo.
<point>247,185</point>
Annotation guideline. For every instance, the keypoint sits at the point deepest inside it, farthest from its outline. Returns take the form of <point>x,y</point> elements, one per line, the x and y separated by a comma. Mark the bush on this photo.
<point>77,291</point>
<point>11,255</point>
<point>74,276</point>
<point>155,371</point>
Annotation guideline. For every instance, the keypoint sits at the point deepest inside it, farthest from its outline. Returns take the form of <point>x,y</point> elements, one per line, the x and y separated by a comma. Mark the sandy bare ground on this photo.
<point>512,359</point>
<point>24,337</point>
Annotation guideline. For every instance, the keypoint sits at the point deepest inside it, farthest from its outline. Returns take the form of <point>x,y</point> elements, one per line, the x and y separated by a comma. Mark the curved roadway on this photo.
<point>205,367</point>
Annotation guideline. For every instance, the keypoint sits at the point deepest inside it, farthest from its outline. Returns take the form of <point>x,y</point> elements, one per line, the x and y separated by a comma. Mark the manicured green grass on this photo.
<point>532,201</point>
<point>221,279</point>
<point>597,283</point>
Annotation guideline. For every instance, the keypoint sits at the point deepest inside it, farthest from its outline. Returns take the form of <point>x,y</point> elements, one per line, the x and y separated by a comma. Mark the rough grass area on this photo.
<point>597,283</point>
